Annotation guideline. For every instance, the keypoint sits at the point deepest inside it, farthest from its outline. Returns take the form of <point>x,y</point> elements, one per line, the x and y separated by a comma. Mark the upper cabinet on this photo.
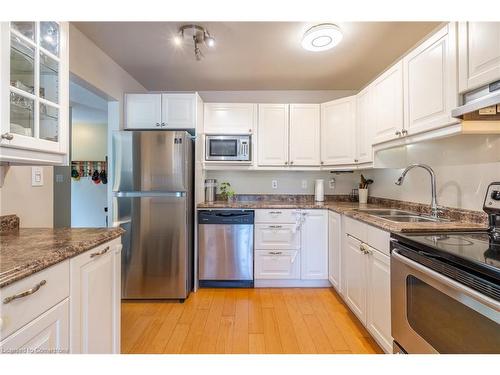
<point>304,134</point>
<point>479,54</point>
<point>338,131</point>
<point>364,126</point>
<point>229,118</point>
<point>160,111</point>
<point>34,100</point>
<point>430,82</point>
<point>388,104</point>
<point>272,135</point>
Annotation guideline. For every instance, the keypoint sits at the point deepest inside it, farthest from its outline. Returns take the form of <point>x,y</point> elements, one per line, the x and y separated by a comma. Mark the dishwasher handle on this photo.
<point>229,217</point>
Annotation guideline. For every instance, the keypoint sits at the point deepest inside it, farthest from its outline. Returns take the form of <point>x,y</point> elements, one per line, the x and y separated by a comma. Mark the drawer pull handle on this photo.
<point>275,252</point>
<point>275,212</point>
<point>25,293</point>
<point>275,226</point>
<point>104,251</point>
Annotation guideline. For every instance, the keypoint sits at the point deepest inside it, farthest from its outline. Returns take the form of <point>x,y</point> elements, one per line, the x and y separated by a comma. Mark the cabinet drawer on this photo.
<point>378,239</point>
<point>54,287</point>
<point>276,236</point>
<point>276,216</point>
<point>277,264</point>
<point>355,228</point>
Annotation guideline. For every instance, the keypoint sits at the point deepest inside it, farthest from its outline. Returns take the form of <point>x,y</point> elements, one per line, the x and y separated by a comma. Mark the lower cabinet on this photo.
<point>314,245</point>
<point>95,300</point>
<point>334,248</point>
<point>49,333</point>
<point>366,276</point>
<point>277,264</point>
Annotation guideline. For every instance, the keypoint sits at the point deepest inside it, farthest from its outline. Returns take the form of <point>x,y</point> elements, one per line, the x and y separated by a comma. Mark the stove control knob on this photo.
<point>495,195</point>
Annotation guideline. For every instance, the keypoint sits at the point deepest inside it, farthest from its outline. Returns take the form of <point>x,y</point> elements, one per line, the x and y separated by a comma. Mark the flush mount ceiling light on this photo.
<point>321,37</point>
<point>194,34</point>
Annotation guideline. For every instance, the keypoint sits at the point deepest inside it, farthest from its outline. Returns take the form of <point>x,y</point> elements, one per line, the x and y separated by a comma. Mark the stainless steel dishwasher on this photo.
<point>225,248</point>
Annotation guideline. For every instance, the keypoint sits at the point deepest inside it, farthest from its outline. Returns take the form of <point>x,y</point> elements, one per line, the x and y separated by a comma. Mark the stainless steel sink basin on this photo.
<point>411,218</point>
<point>385,212</point>
<point>400,216</point>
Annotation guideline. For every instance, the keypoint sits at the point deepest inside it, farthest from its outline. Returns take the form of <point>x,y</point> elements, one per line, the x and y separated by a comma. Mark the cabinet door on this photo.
<point>229,118</point>
<point>314,245</point>
<point>273,134</point>
<point>479,54</point>
<point>338,131</point>
<point>388,104</point>
<point>117,297</point>
<point>277,264</point>
<point>49,333</point>
<point>305,134</point>
<point>379,298</point>
<point>364,126</point>
<point>430,82</point>
<point>334,247</point>
<point>142,111</point>
<point>178,111</point>
<point>355,277</point>
<point>93,300</point>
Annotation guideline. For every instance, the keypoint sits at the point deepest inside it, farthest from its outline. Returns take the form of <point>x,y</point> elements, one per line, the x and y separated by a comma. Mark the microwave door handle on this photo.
<point>485,300</point>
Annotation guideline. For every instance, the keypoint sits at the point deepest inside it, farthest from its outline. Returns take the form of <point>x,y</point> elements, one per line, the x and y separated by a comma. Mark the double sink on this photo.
<point>400,216</point>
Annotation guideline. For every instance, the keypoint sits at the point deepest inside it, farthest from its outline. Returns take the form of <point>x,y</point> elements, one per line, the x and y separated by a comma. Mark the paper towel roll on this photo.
<point>319,191</point>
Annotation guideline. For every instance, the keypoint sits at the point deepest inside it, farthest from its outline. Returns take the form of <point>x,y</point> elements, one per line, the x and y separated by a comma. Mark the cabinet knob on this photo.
<point>355,160</point>
<point>404,131</point>
<point>249,130</point>
<point>162,124</point>
<point>8,136</point>
<point>398,133</point>
<point>322,163</point>
<point>286,163</point>
<point>291,162</point>
<point>158,124</point>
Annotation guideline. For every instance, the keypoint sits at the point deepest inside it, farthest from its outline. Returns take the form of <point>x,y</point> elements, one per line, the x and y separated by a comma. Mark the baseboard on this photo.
<point>291,283</point>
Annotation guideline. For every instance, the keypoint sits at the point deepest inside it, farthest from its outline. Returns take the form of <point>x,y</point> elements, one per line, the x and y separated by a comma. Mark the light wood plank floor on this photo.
<point>288,321</point>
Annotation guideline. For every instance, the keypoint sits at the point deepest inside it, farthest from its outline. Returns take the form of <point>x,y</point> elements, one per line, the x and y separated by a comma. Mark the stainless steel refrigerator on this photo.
<point>153,202</point>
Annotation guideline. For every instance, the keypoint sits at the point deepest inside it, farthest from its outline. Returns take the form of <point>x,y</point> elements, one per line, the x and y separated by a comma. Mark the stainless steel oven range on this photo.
<point>445,288</point>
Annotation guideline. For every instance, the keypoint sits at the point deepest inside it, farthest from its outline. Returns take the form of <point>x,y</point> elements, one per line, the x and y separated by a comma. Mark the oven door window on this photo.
<point>446,324</point>
<point>224,147</point>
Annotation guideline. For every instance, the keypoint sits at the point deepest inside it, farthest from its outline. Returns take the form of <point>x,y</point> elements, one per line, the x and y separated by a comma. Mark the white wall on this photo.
<point>464,166</point>
<point>33,205</point>
<point>89,141</point>
<point>259,182</point>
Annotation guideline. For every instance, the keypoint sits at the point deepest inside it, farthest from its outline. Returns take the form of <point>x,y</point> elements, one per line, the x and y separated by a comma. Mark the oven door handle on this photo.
<point>485,300</point>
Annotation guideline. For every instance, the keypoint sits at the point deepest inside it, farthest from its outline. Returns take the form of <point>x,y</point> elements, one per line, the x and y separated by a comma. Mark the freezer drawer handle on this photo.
<point>275,226</point>
<point>102,252</point>
<point>275,252</point>
<point>25,293</point>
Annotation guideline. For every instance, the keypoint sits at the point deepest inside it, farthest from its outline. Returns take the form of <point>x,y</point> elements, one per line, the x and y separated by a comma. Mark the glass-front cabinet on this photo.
<point>34,92</point>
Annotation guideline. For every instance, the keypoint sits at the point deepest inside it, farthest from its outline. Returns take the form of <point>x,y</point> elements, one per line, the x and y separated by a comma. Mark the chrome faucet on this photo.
<point>434,206</point>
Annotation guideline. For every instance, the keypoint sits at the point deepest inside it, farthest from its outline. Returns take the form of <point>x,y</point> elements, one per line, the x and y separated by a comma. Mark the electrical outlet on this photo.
<point>36,176</point>
<point>59,178</point>
<point>274,184</point>
<point>331,183</point>
<point>304,184</point>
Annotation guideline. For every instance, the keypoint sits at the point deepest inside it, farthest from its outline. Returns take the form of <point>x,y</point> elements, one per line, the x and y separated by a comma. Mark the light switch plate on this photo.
<point>274,184</point>
<point>304,184</point>
<point>36,176</point>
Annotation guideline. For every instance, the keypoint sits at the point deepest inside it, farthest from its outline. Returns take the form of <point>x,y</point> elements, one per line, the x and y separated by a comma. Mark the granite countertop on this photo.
<point>26,251</point>
<point>350,209</point>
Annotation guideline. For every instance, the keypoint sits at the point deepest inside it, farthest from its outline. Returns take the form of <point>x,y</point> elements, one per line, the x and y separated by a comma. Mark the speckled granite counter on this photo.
<point>26,251</point>
<point>470,220</point>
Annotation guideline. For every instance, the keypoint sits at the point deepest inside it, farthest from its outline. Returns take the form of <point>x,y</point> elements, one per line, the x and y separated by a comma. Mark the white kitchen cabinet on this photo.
<point>338,131</point>
<point>178,111</point>
<point>34,92</point>
<point>378,319</point>
<point>276,236</point>
<point>277,264</point>
<point>229,118</point>
<point>479,54</point>
<point>160,111</point>
<point>48,333</point>
<point>334,249</point>
<point>314,245</point>
<point>388,104</point>
<point>430,82</point>
<point>272,138</point>
<point>355,276</point>
<point>94,311</point>
<point>304,134</point>
<point>364,126</point>
<point>142,111</point>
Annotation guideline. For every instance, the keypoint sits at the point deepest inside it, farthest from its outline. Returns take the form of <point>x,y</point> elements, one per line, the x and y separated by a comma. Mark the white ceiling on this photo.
<point>254,55</point>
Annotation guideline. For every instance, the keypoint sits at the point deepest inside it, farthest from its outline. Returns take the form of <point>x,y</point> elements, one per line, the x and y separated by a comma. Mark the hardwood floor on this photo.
<point>290,321</point>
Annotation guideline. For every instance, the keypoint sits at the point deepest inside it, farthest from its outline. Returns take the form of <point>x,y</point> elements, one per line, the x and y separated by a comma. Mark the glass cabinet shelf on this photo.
<point>22,65</point>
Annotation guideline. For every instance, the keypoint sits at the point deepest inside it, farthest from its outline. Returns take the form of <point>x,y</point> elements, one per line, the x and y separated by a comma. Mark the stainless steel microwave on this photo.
<point>227,148</point>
